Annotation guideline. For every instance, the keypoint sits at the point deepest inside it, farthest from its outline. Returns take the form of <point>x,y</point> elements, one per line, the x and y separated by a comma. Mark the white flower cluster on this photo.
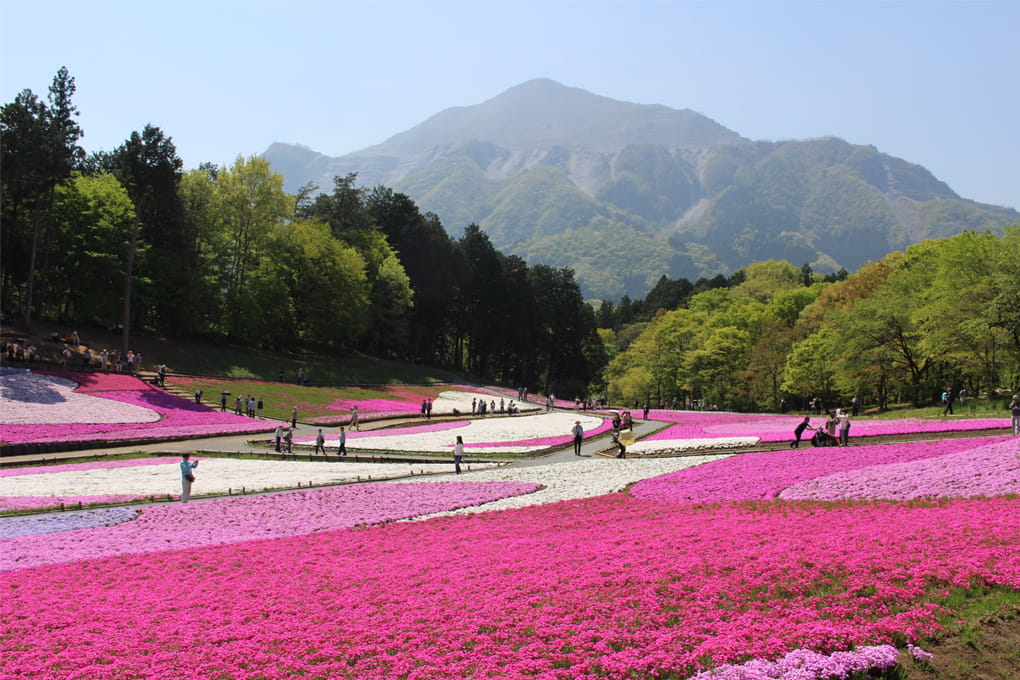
<point>668,447</point>
<point>214,476</point>
<point>450,400</point>
<point>567,480</point>
<point>493,431</point>
<point>28,399</point>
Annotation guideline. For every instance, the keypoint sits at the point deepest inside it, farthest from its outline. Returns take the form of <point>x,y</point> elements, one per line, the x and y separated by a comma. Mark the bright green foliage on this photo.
<point>94,215</point>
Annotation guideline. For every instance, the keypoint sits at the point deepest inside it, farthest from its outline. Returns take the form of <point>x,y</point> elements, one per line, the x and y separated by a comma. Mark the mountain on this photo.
<point>625,193</point>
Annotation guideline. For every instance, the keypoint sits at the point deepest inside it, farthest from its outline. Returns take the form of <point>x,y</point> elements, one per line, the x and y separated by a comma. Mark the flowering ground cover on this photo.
<point>222,521</point>
<point>103,482</point>
<point>610,586</point>
<point>508,434</point>
<point>766,475</point>
<point>697,429</point>
<point>746,566</point>
<point>41,407</point>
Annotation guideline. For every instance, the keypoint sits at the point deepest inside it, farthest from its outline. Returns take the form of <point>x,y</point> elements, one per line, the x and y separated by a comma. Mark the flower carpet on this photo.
<point>508,434</point>
<point>49,486</point>
<point>804,564</point>
<point>53,406</point>
<point>701,430</point>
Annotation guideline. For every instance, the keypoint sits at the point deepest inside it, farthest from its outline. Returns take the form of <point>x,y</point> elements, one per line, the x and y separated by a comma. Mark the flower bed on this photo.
<point>220,521</point>
<point>91,483</point>
<point>510,434</point>
<point>765,475</point>
<point>987,469</point>
<point>779,428</point>
<point>97,414</point>
<point>604,587</point>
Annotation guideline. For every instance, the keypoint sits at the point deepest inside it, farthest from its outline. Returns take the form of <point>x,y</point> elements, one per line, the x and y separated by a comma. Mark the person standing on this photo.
<point>343,442</point>
<point>1014,411</point>
<point>293,417</point>
<point>320,442</point>
<point>288,439</point>
<point>187,476</point>
<point>578,432</point>
<point>855,404</point>
<point>279,436</point>
<point>354,419</point>
<point>458,453</point>
<point>950,396</point>
<point>260,405</point>
<point>799,431</point>
<point>843,421</point>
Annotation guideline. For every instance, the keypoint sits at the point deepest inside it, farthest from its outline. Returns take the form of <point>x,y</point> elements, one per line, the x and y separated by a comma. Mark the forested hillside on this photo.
<point>942,315</point>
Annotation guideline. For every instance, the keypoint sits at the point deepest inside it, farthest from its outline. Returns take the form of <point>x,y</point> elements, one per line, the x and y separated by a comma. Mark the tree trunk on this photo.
<point>31,261</point>
<point>126,333</point>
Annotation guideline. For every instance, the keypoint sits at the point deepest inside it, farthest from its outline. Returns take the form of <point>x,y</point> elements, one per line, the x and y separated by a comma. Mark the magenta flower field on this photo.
<point>713,568</point>
<point>169,416</point>
<point>779,428</point>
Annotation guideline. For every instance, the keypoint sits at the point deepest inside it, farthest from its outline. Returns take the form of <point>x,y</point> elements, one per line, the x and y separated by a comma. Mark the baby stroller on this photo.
<point>823,438</point>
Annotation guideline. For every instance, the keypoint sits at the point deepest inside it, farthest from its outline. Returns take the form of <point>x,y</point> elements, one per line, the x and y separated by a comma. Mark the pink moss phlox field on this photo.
<point>764,475</point>
<point>778,428</point>
<point>231,520</point>
<point>988,470</point>
<point>606,587</point>
<point>179,417</point>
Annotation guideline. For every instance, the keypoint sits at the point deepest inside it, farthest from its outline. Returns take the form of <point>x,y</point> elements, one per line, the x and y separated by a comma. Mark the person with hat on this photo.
<point>578,432</point>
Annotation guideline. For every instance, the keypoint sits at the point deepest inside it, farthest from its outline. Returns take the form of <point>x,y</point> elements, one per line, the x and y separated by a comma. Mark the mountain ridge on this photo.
<point>541,160</point>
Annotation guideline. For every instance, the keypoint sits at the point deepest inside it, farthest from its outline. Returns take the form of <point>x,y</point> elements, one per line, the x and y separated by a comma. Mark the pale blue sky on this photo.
<point>934,83</point>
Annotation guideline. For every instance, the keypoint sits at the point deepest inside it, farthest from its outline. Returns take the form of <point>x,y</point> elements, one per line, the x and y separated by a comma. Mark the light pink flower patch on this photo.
<point>988,470</point>
<point>28,398</point>
<point>764,475</point>
<point>223,521</point>
<point>177,418</point>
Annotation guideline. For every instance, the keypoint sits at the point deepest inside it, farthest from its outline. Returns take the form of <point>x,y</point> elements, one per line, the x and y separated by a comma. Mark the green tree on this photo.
<point>94,216</point>
<point>147,166</point>
<point>253,204</point>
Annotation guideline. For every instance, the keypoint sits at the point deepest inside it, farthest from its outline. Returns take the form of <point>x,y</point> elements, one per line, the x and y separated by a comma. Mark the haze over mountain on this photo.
<point>625,193</point>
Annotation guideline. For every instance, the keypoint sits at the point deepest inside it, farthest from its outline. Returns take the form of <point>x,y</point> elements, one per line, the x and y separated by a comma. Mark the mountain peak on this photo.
<point>542,113</point>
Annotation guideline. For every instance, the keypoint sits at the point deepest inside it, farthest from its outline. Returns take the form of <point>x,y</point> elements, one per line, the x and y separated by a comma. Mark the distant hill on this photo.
<point>625,193</point>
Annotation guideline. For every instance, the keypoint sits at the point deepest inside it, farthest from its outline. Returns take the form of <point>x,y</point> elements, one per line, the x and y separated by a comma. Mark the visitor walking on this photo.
<point>458,453</point>
<point>279,436</point>
<point>578,437</point>
<point>187,476</point>
<point>343,442</point>
<point>288,439</point>
<point>293,417</point>
<point>320,442</point>
<point>354,419</point>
